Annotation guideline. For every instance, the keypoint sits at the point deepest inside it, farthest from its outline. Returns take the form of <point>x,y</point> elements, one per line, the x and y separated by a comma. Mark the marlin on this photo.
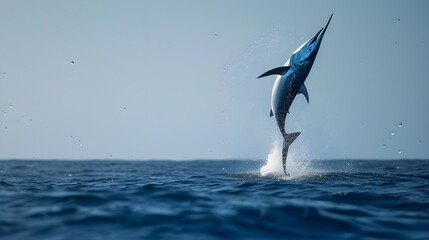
<point>290,83</point>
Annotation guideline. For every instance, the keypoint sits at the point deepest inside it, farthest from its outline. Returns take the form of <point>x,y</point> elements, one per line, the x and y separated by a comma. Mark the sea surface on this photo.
<point>203,199</point>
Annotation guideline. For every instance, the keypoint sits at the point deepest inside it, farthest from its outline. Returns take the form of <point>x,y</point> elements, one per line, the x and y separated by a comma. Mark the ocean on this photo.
<point>205,199</point>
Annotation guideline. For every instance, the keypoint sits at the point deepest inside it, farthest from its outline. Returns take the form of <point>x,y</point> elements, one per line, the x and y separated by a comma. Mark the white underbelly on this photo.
<point>275,94</point>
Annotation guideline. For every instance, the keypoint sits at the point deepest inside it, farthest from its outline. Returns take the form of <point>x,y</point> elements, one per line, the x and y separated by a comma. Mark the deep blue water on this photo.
<point>212,200</point>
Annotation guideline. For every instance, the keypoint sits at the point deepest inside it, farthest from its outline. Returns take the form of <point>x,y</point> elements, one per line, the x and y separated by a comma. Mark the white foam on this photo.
<point>297,164</point>
<point>274,163</point>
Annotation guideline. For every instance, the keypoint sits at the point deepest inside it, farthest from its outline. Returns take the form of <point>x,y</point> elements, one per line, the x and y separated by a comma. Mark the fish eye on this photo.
<point>309,49</point>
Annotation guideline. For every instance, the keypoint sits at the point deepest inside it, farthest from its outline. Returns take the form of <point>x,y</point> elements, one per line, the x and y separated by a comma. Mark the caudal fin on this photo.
<point>288,140</point>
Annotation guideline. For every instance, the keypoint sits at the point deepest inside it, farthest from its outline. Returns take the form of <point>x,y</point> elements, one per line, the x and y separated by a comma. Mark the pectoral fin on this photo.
<point>275,71</point>
<point>271,113</point>
<point>303,90</point>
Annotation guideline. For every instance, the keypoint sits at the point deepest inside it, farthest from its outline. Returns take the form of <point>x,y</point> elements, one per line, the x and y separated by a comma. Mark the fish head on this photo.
<point>307,52</point>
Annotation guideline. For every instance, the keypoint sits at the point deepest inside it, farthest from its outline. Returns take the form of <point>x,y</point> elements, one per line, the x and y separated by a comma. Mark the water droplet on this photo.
<point>10,106</point>
<point>70,175</point>
<point>4,73</point>
<point>399,152</point>
<point>81,145</point>
<point>397,167</point>
<point>111,155</point>
<point>215,35</point>
<point>72,62</point>
<point>5,127</point>
<point>384,144</point>
<point>396,43</point>
<point>399,19</point>
<point>392,133</point>
<point>400,124</point>
<point>420,142</point>
<point>125,108</point>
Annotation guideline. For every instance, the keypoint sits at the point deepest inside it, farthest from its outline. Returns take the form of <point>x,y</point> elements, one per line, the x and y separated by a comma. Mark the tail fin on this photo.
<point>288,140</point>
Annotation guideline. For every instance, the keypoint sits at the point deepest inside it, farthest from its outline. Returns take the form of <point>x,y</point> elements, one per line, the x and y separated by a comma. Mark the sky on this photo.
<point>178,79</point>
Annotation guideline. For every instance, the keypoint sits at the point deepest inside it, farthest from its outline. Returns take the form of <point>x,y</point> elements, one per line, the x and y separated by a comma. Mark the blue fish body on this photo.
<point>290,83</point>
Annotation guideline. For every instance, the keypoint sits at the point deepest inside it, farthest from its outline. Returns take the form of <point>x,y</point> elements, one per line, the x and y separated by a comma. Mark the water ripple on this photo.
<point>212,200</point>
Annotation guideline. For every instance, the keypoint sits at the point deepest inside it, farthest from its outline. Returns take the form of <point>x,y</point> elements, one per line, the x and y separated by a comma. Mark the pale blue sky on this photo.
<point>177,79</point>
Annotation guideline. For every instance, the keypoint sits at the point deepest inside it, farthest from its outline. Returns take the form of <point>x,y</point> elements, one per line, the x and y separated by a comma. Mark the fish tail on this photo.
<point>288,140</point>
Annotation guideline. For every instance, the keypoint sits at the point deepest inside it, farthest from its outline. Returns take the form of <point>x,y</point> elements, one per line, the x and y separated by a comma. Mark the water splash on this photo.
<point>274,163</point>
<point>297,161</point>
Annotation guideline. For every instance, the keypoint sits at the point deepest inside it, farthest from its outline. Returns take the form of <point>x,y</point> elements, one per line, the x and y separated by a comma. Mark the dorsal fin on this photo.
<point>276,71</point>
<point>303,90</point>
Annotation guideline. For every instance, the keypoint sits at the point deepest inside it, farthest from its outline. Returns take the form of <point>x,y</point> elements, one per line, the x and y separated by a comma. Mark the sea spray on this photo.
<point>297,164</point>
<point>274,163</point>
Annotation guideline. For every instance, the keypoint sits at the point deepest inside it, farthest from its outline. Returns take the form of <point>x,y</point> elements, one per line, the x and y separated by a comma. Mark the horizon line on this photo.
<point>210,159</point>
